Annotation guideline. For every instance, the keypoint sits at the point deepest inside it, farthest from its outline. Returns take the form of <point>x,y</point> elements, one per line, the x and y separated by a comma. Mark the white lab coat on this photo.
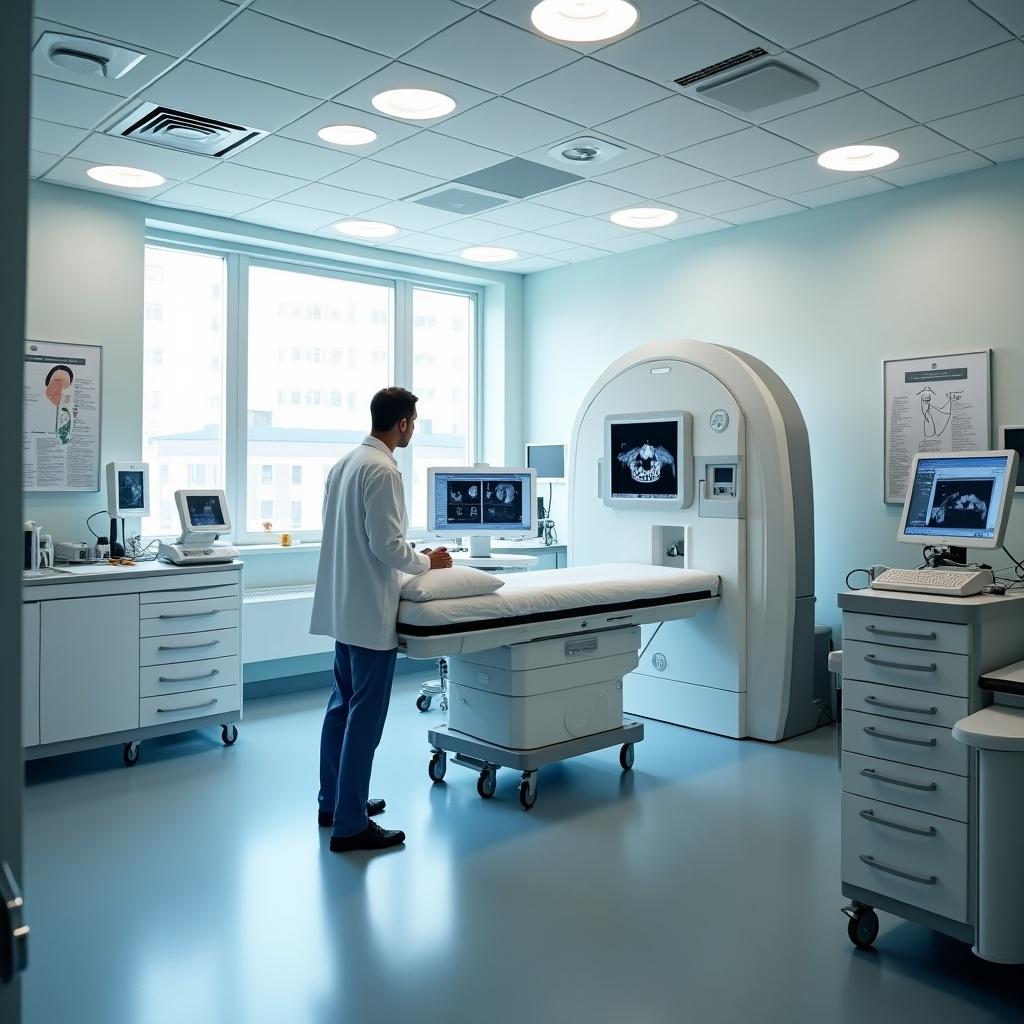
<point>364,552</point>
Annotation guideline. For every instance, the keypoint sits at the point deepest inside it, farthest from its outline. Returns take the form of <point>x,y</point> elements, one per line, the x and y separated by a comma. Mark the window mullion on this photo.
<point>236,380</point>
<point>403,366</point>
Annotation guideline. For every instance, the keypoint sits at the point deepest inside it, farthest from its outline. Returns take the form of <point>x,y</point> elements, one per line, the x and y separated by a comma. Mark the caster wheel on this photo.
<point>486,784</point>
<point>527,794</point>
<point>228,735</point>
<point>863,928</point>
<point>131,753</point>
<point>626,756</point>
<point>443,706</point>
<point>423,702</point>
<point>437,767</point>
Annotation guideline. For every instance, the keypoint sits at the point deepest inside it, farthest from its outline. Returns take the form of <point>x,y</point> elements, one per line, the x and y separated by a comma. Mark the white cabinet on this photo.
<point>89,667</point>
<point>29,675</point>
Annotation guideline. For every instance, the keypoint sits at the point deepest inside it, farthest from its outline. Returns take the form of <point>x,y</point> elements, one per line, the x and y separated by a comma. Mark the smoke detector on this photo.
<point>191,133</point>
<point>585,150</point>
<point>77,55</point>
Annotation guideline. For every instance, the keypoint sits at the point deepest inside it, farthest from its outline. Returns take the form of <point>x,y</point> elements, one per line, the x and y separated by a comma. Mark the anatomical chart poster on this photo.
<point>62,417</point>
<point>937,404</point>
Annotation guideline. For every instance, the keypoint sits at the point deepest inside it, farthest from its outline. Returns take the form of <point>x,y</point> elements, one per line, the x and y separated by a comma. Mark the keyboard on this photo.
<point>945,582</point>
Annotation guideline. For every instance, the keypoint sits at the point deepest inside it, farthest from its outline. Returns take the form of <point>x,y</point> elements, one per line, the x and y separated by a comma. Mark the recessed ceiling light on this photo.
<point>644,217</point>
<point>583,21</point>
<point>347,134</point>
<point>858,158</point>
<point>125,177</point>
<point>366,228</point>
<point>414,104</point>
<point>489,254</point>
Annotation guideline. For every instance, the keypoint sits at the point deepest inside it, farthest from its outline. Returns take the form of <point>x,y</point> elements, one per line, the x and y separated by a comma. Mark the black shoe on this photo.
<point>375,805</point>
<point>373,837</point>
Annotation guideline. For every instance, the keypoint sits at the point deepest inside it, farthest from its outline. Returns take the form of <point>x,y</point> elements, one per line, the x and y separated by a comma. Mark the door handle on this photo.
<point>13,930</point>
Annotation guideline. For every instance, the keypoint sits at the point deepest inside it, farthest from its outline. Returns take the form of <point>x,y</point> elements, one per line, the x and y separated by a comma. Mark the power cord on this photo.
<point>850,586</point>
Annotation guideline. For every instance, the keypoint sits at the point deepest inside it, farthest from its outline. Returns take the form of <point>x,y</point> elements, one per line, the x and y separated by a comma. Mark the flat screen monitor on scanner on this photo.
<point>480,502</point>
<point>959,499</point>
<point>648,460</point>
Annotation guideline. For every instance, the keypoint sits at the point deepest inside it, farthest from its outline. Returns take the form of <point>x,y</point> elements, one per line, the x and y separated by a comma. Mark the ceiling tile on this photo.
<point>1004,152</point>
<point>694,39</point>
<point>839,123</point>
<point>73,172</point>
<point>933,169</point>
<point>401,76</point>
<point>389,131</point>
<point>390,28</point>
<point>379,179</point>
<point>40,163</point>
<point>585,231</point>
<point>636,240</point>
<point>1009,12</point>
<point>508,127</point>
<point>439,156</point>
<point>687,229</point>
<point>47,137</point>
<point>430,244</point>
<point>578,254</point>
<point>472,232</point>
<point>672,124</point>
<point>109,149</point>
<point>588,92</point>
<point>627,156</point>
<point>337,200</point>
<point>920,35</point>
<point>539,245</point>
<point>412,216</point>
<point>974,81</point>
<point>249,181</point>
<point>527,216</point>
<point>169,28</point>
<point>213,199</point>
<point>985,126</point>
<point>587,198</point>
<point>198,89</point>
<point>798,176</point>
<point>290,217</point>
<point>916,144</point>
<point>741,152</point>
<point>489,54</point>
<point>273,51</point>
<point>718,197</point>
<point>657,177</point>
<point>762,211</point>
<point>799,21</point>
<point>70,104</point>
<point>286,156</point>
<point>841,191</point>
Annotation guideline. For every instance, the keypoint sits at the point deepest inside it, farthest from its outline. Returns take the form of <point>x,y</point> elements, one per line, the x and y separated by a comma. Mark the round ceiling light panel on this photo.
<point>858,158</point>
<point>489,254</point>
<point>125,177</point>
<point>366,228</point>
<point>347,134</point>
<point>413,104</point>
<point>583,21</point>
<point>644,217</point>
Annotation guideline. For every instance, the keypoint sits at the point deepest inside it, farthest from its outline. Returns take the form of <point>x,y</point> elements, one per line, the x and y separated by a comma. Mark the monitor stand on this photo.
<point>479,547</point>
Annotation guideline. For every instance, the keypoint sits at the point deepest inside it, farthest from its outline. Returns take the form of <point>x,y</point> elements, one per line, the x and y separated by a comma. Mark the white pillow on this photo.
<point>458,581</point>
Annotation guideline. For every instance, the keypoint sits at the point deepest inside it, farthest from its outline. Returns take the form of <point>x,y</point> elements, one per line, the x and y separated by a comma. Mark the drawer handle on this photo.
<point>870,773</point>
<point>901,707</point>
<point>188,679</point>
<point>878,631</point>
<point>188,707</point>
<point>873,660</point>
<point>188,615</point>
<point>875,820</point>
<point>922,879</point>
<point>872,731</point>
<point>190,647</point>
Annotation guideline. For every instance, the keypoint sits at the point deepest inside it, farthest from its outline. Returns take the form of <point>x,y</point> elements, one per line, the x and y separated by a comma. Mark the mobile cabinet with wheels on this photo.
<point>911,670</point>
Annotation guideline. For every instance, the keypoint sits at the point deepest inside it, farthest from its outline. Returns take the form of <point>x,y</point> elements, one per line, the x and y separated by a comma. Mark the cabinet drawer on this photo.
<point>164,596</point>
<point>193,675</point>
<point>179,623</point>
<point>183,611</point>
<point>906,742</point>
<point>913,669</point>
<point>921,634</point>
<point>921,789</point>
<point>167,650</point>
<point>898,702</point>
<point>916,858</point>
<point>180,706</point>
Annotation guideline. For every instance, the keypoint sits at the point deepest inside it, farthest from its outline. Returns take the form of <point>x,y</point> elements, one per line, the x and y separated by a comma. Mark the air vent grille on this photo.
<point>191,133</point>
<point>722,65</point>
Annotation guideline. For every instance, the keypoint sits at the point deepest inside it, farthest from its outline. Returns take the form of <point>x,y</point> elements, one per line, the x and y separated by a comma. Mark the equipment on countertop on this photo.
<point>204,517</point>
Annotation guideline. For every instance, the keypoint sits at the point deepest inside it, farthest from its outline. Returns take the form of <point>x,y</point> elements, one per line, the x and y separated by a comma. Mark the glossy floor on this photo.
<point>703,886</point>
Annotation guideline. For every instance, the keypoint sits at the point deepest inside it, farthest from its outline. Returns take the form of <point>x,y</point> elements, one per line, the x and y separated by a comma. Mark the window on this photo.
<point>266,512</point>
<point>197,474</point>
<point>187,429</point>
<point>152,311</point>
<point>297,514</point>
<point>296,475</point>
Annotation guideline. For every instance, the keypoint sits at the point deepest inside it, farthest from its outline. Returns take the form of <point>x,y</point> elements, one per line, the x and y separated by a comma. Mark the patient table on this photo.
<point>535,670</point>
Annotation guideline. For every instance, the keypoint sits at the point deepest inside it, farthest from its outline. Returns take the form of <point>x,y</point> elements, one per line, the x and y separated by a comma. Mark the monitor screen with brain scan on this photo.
<point>481,500</point>
<point>645,460</point>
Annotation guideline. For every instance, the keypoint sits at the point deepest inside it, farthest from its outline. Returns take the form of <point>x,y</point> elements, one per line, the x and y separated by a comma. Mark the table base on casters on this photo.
<point>487,758</point>
<point>436,688</point>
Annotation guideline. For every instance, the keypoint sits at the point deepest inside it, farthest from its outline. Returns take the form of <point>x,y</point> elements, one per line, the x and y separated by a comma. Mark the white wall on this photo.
<point>822,297</point>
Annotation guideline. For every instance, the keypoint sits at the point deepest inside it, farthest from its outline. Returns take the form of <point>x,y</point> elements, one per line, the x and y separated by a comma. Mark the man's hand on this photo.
<point>439,558</point>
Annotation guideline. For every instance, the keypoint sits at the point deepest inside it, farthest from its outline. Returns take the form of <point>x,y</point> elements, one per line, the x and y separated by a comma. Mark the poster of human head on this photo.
<point>61,447</point>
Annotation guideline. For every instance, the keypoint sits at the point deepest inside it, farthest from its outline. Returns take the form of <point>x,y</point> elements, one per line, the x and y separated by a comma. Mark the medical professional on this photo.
<point>362,557</point>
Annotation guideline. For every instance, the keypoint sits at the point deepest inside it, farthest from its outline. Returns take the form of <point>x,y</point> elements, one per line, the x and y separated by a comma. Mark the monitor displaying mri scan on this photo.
<point>648,460</point>
<point>480,500</point>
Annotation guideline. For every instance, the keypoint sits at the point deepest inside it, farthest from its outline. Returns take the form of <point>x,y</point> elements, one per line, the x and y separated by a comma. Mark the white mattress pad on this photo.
<point>558,593</point>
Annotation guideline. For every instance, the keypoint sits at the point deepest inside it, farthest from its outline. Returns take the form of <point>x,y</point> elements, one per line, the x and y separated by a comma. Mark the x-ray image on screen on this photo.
<point>644,459</point>
<point>503,501</point>
<point>131,492</point>
<point>961,503</point>
<point>464,501</point>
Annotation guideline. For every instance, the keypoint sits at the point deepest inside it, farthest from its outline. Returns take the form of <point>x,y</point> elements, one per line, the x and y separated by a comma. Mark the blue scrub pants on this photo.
<point>351,733</point>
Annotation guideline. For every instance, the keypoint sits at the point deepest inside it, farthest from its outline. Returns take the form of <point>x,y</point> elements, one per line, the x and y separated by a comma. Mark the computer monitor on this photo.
<point>548,460</point>
<point>127,489</point>
<point>203,512</point>
<point>1013,437</point>
<point>480,502</point>
<point>959,499</point>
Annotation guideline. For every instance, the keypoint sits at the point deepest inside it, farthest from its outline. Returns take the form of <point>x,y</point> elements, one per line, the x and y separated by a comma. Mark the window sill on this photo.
<point>266,549</point>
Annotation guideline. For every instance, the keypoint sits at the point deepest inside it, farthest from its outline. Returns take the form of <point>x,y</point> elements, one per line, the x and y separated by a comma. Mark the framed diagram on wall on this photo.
<point>62,405</point>
<point>934,404</point>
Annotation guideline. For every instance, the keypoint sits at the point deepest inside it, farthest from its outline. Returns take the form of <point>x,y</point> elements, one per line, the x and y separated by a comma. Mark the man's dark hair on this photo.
<point>60,366</point>
<point>389,406</point>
